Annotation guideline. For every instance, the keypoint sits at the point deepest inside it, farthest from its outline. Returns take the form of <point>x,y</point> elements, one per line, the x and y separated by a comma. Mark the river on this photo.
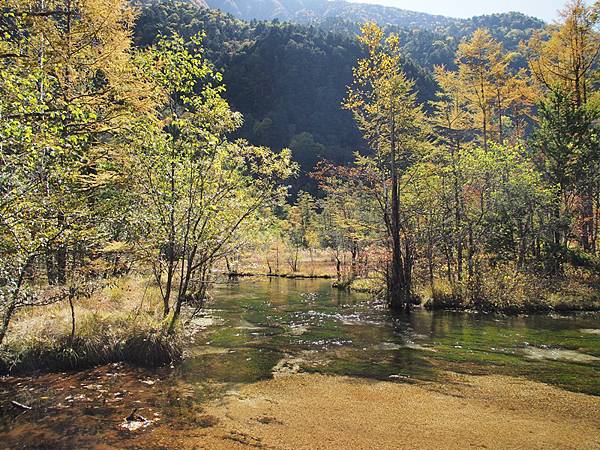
<point>257,329</point>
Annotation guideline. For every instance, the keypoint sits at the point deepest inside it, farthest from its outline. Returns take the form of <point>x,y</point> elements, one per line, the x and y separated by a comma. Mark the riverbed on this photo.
<point>263,338</point>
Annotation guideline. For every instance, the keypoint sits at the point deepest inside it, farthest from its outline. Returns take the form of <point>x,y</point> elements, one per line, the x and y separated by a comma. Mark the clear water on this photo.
<point>260,328</point>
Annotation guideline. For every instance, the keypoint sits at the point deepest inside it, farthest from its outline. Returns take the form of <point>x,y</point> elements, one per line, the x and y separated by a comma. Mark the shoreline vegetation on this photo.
<point>504,290</point>
<point>123,322</point>
<point>120,323</point>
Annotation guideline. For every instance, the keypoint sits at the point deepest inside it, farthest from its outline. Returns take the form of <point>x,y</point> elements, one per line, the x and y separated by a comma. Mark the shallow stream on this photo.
<point>257,329</point>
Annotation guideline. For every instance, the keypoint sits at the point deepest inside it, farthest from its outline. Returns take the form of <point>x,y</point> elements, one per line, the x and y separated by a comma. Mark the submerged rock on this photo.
<point>557,354</point>
<point>287,366</point>
<point>134,425</point>
<point>390,346</point>
<point>298,330</point>
<point>246,325</point>
<point>135,421</point>
<point>387,346</point>
<point>415,346</point>
<point>591,331</point>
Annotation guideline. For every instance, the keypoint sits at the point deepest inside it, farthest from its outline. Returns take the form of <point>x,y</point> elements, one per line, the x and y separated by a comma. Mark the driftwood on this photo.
<point>21,405</point>
<point>135,417</point>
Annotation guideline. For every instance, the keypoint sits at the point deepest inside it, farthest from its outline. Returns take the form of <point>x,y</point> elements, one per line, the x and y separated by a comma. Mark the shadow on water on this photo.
<point>262,326</point>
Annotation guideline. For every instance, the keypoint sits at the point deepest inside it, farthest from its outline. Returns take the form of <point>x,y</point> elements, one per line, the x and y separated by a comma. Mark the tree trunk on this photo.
<point>72,307</point>
<point>50,266</point>
<point>397,287</point>
<point>61,264</point>
<point>12,306</point>
<point>354,257</point>
<point>471,253</point>
<point>587,228</point>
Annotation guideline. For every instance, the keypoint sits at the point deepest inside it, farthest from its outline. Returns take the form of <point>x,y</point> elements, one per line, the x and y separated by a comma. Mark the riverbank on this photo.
<point>121,322</point>
<point>497,289</point>
<point>301,412</point>
<point>504,293</point>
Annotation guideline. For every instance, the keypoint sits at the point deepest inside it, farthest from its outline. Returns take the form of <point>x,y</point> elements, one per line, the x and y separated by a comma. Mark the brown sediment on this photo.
<point>321,412</point>
<point>301,411</point>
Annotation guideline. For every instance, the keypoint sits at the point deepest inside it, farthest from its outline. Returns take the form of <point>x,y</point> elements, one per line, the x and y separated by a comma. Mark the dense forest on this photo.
<point>315,11</point>
<point>288,80</point>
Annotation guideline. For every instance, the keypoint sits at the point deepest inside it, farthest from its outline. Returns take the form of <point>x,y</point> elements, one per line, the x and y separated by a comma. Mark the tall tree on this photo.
<point>197,189</point>
<point>384,105</point>
<point>566,63</point>
<point>69,90</point>
<point>497,98</point>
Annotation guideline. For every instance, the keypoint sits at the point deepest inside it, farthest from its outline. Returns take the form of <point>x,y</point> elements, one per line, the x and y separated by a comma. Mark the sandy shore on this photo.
<point>320,412</point>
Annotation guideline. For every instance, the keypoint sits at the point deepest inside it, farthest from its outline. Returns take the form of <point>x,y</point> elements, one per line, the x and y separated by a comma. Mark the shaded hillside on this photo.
<point>289,80</point>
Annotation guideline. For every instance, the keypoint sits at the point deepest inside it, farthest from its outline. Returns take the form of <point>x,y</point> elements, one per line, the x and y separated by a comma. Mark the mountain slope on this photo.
<point>307,10</point>
<point>317,10</point>
<point>289,79</point>
<point>508,28</point>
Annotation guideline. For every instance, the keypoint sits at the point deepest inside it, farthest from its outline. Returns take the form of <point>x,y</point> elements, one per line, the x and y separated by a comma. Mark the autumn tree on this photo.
<point>198,191</point>
<point>565,66</point>
<point>384,105</point>
<point>349,221</point>
<point>69,91</point>
<point>301,228</point>
<point>495,99</point>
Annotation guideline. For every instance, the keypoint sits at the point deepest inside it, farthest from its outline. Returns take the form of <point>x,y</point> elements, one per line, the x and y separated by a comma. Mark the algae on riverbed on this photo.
<point>342,333</point>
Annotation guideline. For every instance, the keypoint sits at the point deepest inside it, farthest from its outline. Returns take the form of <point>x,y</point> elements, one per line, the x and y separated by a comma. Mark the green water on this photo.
<point>264,327</point>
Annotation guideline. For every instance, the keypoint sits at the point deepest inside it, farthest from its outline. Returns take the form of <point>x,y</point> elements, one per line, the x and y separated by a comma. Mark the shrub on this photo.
<point>443,296</point>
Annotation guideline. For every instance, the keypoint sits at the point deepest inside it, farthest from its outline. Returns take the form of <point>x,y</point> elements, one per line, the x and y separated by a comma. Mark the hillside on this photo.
<point>317,10</point>
<point>509,28</point>
<point>289,79</point>
<point>309,10</point>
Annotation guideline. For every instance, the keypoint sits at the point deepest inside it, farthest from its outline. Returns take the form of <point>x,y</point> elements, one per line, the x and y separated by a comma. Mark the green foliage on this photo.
<point>68,92</point>
<point>200,192</point>
<point>567,138</point>
<point>111,155</point>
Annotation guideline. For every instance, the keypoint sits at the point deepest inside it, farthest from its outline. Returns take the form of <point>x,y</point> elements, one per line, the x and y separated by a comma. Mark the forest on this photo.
<point>163,164</point>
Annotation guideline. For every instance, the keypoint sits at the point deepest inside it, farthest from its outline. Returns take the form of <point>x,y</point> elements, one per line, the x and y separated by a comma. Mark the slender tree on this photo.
<point>384,105</point>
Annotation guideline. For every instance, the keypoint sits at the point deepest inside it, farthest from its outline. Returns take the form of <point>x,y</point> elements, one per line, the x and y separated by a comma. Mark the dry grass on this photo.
<point>120,322</point>
<point>319,263</point>
<point>504,289</point>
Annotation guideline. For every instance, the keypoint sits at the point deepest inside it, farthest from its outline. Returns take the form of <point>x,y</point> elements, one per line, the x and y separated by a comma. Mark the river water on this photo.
<point>257,329</point>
